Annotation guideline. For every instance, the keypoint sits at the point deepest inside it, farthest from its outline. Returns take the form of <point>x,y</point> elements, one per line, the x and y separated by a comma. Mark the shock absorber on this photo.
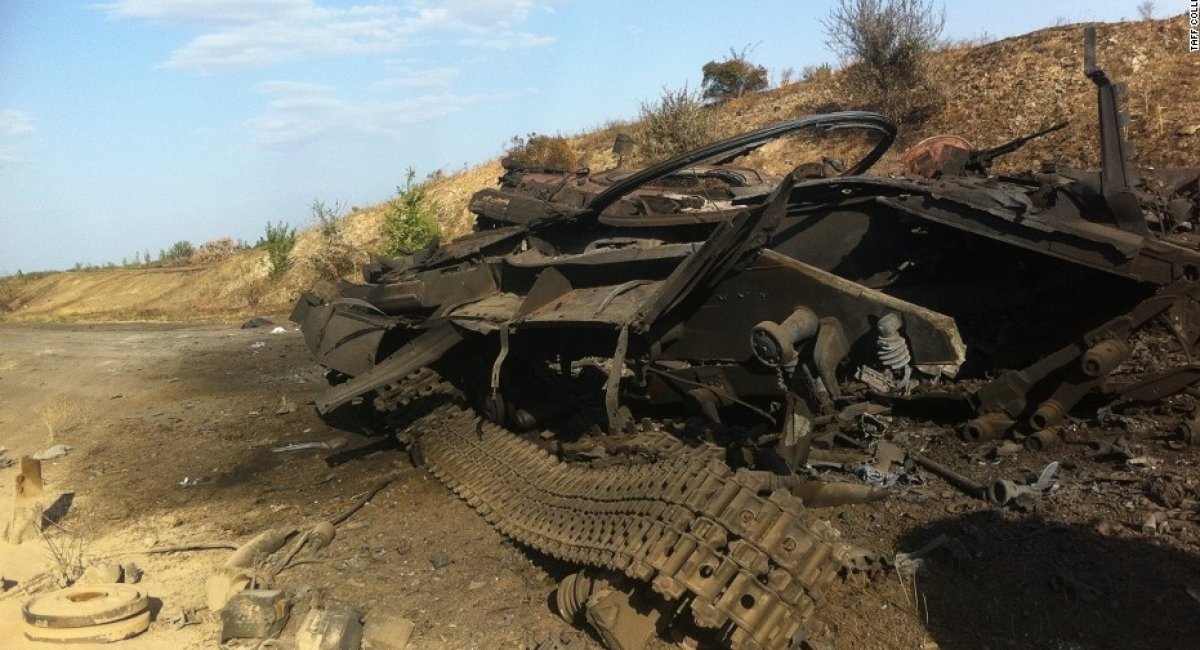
<point>892,348</point>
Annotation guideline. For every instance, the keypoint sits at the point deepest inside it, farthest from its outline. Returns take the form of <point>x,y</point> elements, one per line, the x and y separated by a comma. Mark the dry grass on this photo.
<point>63,414</point>
<point>992,93</point>
<point>66,551</point>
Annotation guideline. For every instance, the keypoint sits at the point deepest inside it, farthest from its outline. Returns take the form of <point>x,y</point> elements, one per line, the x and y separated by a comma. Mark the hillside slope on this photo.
<point>992,93</point>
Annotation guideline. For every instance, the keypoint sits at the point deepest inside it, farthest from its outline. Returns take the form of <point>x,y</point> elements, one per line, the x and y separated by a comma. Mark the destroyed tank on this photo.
<point>627,370</point>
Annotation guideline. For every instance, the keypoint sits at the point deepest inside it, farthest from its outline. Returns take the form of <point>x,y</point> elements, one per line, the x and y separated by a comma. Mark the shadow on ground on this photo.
<point>1037,584</point>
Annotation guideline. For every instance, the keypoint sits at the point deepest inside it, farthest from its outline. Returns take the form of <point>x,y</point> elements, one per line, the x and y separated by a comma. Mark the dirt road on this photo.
<point>172,430</point>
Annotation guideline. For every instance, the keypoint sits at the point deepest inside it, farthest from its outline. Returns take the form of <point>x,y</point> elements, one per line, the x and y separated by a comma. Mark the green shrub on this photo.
<point>179,252</point>
<point>676,123</point>
<point>278,242</point>
<point>552,152</point>
<point>410,219</point>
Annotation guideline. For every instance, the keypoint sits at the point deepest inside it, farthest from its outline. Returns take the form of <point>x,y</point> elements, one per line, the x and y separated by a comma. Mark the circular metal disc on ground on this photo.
<point>84,606</point>
<point>103,633</point>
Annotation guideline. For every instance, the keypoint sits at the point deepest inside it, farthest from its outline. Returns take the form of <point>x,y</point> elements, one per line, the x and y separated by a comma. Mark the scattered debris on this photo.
<point>1003,492</point>
<point>241,569</point>
<point>257,321</point>
<point>912,562</point>
<point>331,444</point>
<point>182,618</point>
<point>254,614</point>
<point>202,546</point>
<point>316,538</point>
<point>332,626</point>
<point>50,453</point>
<point>285,406</point>
<point>968,486</point>
<point>131,574</point>
<point>279,329</point>
<point>1155,523</point>
<point>102,574</point>
<point>387,631</point>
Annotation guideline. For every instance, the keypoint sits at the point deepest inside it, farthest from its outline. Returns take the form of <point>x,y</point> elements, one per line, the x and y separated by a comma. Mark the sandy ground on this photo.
<point>147,406</point>
<point>172,429</point>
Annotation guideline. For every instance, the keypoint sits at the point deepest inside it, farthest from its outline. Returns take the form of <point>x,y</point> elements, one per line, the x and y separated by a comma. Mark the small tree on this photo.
<point>1145,9</point>
<point>279,241</point>
<point>732,77</point>
<point>410,219</point>
<point>676,123</point>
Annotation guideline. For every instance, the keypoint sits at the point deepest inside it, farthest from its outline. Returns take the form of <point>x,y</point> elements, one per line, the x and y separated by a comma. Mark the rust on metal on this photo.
<point>701,323</point>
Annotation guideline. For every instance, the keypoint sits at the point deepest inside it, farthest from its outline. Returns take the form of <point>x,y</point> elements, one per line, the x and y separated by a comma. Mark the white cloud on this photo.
<point>293,119</point>
<point>255,33</point>
<point>208,12</point>
<point>290,88</point>
<point>509,41</point>
<point>13,122</point>
<point>411,79</point>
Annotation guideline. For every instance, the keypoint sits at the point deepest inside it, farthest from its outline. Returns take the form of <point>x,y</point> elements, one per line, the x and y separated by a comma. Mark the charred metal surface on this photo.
<point>747,316</point>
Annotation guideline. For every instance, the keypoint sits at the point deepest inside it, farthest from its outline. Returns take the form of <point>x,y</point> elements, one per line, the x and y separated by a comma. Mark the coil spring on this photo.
<point>893,349</point>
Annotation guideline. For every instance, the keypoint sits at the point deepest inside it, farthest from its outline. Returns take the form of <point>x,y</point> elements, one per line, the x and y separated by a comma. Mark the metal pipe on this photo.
<point>969,487</point>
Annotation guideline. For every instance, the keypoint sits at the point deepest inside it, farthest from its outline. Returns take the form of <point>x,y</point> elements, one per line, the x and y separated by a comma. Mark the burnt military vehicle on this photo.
<point>715,321</point>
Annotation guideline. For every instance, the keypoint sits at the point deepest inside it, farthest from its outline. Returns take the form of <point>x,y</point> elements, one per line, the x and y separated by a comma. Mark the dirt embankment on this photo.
<point>992,93</point>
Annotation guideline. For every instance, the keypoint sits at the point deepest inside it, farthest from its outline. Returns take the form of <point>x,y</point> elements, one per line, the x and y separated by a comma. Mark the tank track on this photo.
<point>424,382</point>
<point>688,525</point>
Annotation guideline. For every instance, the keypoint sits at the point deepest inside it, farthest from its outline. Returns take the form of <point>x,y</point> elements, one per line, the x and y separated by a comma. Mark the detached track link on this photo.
<point>687,525</point>
<point>423,382</point>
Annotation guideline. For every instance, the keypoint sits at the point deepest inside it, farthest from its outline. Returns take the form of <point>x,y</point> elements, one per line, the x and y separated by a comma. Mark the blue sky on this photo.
<point>130,124</point>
